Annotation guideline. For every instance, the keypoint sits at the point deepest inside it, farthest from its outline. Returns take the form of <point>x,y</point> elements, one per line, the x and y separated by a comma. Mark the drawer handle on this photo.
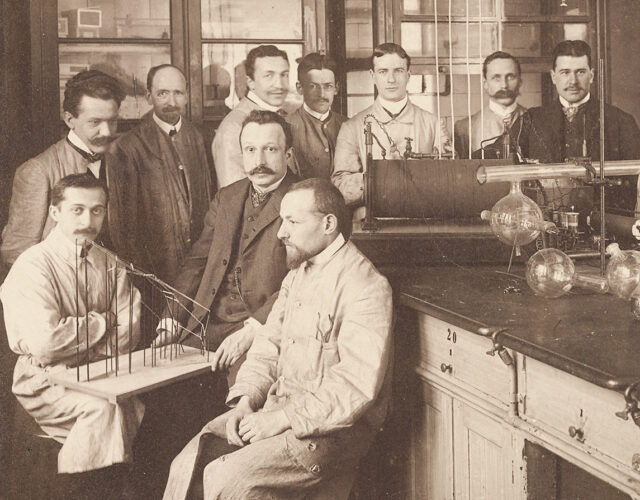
<point>446,368</point>
<point>576,433</point>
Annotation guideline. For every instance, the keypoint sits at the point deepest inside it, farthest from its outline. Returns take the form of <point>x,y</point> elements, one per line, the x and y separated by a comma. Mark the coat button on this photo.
<point>315,468</point>
<point>326,150</point>
<point>250,218</point>
<point>312,446</point>
<point>213,291</point>
<point>224,262</point>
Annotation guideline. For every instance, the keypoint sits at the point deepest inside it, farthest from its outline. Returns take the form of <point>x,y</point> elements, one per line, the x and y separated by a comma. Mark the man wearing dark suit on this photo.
<point>569,127</point>
<point>235,269</point>
<point>238,264</point>
<point>159,181</point>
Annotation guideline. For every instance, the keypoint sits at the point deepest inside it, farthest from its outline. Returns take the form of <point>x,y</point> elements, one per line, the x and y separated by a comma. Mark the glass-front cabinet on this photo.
<point>209,39</point>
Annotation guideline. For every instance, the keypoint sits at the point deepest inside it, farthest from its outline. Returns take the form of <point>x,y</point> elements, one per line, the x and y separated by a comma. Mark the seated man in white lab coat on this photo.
<point>41,317</point>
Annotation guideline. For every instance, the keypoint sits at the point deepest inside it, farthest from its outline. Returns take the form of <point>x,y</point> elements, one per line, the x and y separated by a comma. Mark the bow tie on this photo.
<point>90,157</point>
<point>258,199</point>
<point>571,111</point>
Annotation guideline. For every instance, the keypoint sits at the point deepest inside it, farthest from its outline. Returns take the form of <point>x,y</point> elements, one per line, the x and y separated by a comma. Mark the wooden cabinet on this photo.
<point>462,446</point>
<point>468,439</point>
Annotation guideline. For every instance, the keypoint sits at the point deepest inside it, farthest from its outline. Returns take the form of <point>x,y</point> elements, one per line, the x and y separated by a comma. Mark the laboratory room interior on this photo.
<point>503,213</point>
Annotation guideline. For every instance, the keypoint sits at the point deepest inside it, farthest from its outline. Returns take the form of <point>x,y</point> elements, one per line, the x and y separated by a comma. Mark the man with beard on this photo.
<point>501,81</point>
<point>159,181</point>
<point>315,387</point>
<point>43,314</point>
<point>235,269</point>
<point>91,103</point>
<point>314,126</point>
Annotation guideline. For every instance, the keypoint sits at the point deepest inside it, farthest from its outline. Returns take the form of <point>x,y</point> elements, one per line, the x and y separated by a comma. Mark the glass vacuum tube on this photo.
<point>516,219</point>
<point>623,272</point>
<point>551,273</point>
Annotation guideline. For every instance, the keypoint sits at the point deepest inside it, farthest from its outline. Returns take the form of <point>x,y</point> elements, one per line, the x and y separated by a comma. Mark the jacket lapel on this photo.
<point>271,210</point>
<point>148,132</point>
<point>233,211</point>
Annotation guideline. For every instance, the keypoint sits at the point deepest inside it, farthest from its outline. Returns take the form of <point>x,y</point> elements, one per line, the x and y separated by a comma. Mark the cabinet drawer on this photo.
<point>466,354</point>
<point>556,401</point>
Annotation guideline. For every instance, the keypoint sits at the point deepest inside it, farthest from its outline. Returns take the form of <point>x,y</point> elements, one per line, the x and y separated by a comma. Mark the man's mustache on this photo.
<point>102,140</point>
<point>262,170</point>
<point>170,109</point>
<point>502,93</point>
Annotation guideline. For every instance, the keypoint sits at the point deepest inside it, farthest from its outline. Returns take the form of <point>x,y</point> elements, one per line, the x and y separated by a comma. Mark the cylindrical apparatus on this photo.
<point>511,173</point>
<point>621,226</point>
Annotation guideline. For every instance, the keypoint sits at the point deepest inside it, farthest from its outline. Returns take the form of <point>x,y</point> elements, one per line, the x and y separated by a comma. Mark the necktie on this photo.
<point>258,199</point>
<point>91,157</point>
<point>570,112</point>
<point>172,132</point>
<point>394,115</point>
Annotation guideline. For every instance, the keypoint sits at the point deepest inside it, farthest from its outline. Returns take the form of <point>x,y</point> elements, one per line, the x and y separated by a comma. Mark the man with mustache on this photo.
<point>316,384</point>
<point>235,269</point>
<point>159,180</point>
<point>393,117</point>
<point>42,313</point>
<point>315,126</point>
<point>569,126</point>
<point>91,103</point>
<point>267,69</point>
<point>501,81</point>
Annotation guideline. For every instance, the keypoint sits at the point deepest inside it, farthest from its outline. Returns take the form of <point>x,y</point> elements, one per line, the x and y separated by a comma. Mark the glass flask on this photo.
<point>551,273</point>
<point>516,219</point>
<point>623,272</point>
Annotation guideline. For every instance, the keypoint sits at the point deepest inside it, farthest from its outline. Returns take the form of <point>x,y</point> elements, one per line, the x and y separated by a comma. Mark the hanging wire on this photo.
<point>437,45</point>
<point>468,83</point>
<point>453,138</point>
<point>480,53</point>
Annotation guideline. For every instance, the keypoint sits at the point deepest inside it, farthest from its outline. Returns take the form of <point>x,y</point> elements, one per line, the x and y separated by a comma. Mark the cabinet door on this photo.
<point>482,455</point>
<point>432,445</point>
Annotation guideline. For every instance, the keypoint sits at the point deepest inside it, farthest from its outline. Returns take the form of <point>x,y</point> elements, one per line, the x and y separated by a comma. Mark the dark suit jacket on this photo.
<point>146,196</point>
<point>262,256</point>
<point>539,134</point>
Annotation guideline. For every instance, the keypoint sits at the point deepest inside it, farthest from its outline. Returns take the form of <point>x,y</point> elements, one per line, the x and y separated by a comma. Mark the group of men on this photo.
<point>299,317</point>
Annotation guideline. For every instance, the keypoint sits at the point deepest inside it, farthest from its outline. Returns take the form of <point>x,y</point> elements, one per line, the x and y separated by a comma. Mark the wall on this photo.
<point>623,47</point>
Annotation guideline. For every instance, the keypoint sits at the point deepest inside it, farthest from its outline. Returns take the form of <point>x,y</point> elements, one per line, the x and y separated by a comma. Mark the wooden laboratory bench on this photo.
<point>500,371</point>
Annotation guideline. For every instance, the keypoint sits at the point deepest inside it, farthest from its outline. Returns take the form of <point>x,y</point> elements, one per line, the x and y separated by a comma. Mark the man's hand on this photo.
<point>232,348</point>
<point>168,331</point>
<point>257,426</point>
<point>233,421</point>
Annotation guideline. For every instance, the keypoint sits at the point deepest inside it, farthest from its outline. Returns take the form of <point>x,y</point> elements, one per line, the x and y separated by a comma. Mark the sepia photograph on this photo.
<point>319,249</point>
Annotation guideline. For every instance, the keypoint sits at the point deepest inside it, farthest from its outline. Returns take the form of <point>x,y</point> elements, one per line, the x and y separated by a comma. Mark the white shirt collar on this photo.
<point>166,127</point>
<point>270,188</point>
<point>567,104</point>
<point>262,104</point>
<point>79,143</point>
<point>502,111</point>
<point>394,106</point>
<point>324,256</point>
<point>315,114</point>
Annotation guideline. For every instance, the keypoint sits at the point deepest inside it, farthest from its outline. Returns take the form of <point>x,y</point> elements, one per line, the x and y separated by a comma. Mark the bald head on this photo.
<point>167,92</point>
